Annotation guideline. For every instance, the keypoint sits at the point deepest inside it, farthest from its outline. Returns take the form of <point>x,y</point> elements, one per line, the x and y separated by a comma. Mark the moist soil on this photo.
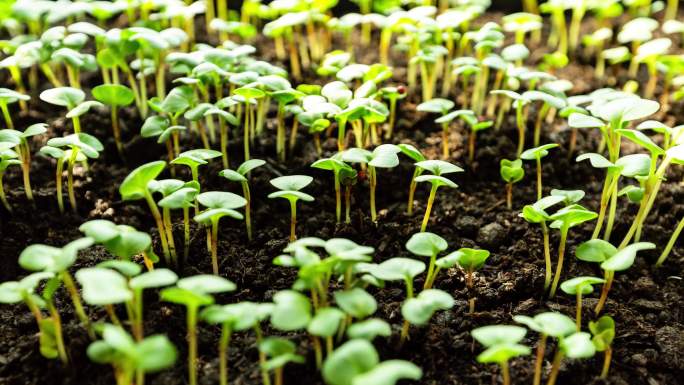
<point>645,302</point>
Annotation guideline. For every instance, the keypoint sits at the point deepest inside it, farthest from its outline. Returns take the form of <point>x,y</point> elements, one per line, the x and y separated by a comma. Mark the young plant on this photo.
<point>241,176</point>
<point>224,118</point>
<point>19,143</point>
<point>563,220</point>
<point>115,96</point>
<point>536,154</point>
<point>393,95</point>
<point>70,98</point>
<point>399,269</point>
<point>611,260</point>
<point>337,166</point>
<point>536,213</point>
<point>135,187</point>
<point>289,187</point>
<point>356,362</point>
<point>383,156</point>
<point>105,287</point>
<point>578,287</point>
<point>666,251</point>
<point>281,352</point>
<point>603,332</point>
<point>7,97</point>
<point>549,324</point>
<point>81,146</point>
<point>577,345</point>
<point>426,244</point>
<point>420,309</point>
<point>442,107</point>
<point>511,172</point>
<point>415,154</point>
<point>219,204</point>
<point>437,168</point>
<point>502,343</point>
<point>183,198</point>
<point>195,158</point>
<point>475,127</point>
<point>519,102</point>
<point>325,324</point>
<point>469,260</point>
<point>193,293</point>
<point>8,157</point>
<point>128,357</point>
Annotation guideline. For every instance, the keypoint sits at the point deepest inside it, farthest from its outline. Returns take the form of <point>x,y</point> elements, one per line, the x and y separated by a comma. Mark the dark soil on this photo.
<point>645,302</point>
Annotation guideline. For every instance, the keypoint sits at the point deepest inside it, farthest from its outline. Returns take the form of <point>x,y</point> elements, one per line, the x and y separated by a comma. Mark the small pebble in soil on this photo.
<point>491,235</point>
<point>467,225</point>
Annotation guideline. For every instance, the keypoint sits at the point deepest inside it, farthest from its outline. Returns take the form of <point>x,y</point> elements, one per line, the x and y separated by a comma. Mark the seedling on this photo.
<point>81,146</point>
<point>128,356</point>
<point>241,176</point>
<point>668,247</point>
<point>442,107</point>
<point>415,154</point>
<point>122,241</point>
<point>519,102</point>
<point>369,329</point>
<point>325,324</point>
<point>135,186</point>
<point>289,187</point>
<point>555,325</point>
<point>337,166</point>
<point>511,172</point>
<point>383,156</point>
<point>420,309</point>
<point>611,260</point>
<point>536,213</point>
<point>549,101</point>
<point>475,127</point>
<point>104,287</point>
<point>8,158</point>
<point>7,97</point>
<point>19,143</point>
<point>578,287</point>
<point>603,332</point>
<point>393,95</point>
<point>426,244</point>
<point>115,96</point>
<point>502,343</point>
<point>469,260</point>
<point>356,362</point>
<point>576,346</point>
<point>437,168</point>
<point>537,153</point>
<point>219,204</point>
<point>563,220</point>
<point>193,293</point>
<point>70,98</point>
<point>194,159</point>
<point>232,318</point>
<point>281,352</point>
<point>399,269</point>
<point>156,278</point>
<point>183,198</point>
<point>224,119</point>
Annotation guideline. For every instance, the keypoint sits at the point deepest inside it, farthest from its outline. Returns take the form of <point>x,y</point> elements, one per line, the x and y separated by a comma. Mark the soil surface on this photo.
<point>645,302</point>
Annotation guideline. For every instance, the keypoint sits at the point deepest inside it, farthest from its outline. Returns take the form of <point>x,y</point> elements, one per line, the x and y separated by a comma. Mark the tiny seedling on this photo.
<point>603,332</point>
<point>426,244</point>
<point>18,141</point>
<point>280,352</point>
<point>7,97</point>
<point>415,154</point>
<point>502,343</point>
<point>442,107</point>
<point>194,159</point>
<point>469,260</point>
<point>519,102</point>
<point>577,345</point>
<point>8,157</point>
<point>511,172</point>
<point>536,154</point>
<point>218,205</point>
<point>241,176</point>
<point>437,168</point>
<point>193,293</point>
<point>666,251</point>
<point>115,96</point>
<point>325,324</point>
<point>337,166</point>
<point>578,287</point>
<point>549,324</point>
<point>369,329</point>
<point>611,260</point>
<point>289,187</point>
<point>122,241</point>
<point>419,310</point>
<point>183,198</point>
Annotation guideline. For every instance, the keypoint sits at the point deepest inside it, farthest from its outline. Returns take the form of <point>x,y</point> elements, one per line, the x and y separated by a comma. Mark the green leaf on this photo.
<point>426,244</point>
<point>356,302</point>
<point>389,373</point>
<point>369,329</point>
<point>469,259</point>
<point>644,141</point>
<point>38,257</point>
<point>385,156</point>
<point>82,108</point>
<point>249,165</point>
<point>511,170</point>
<point>114,95</point>
<point>501,353</point>
<point>292,311</point>
<point>538,152</point>
<point>326,322</point>
<point>291,182</point>
<point>437,105</point>
<point>103,286</point>
<point>397,269</point>
<point>603,332</point>
<point>595,250</point>
<point>552,324</point>
<point>596,160</point>
<point>350,360</point>
<point>155,278</point>
<point>436,180</point>
<point>623,259</point>
<point>127,268</point>
<point>155,353</point>
<point>135,185</point>
<point>498,334</point>
<point>411,151</point>
<point>438,167</point>
<point>582,284</point>
<point>578,345</point>
<point>420,309</point>
<point>63,96</point>
<point>221,200</point>
<point>206,284</point>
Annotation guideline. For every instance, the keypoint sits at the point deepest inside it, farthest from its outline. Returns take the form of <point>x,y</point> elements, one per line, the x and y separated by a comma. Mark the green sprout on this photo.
<point>136,186</point>
<point>104,287</point>
<point>19,143</point>
<point>383,156</point>
<point>183,198</point>
<point>603,332</point>
<point>442,107</point>
<point>337,166</point>
<point>469,260</point>
<point>219,204</point>
<point>193,293</point>
<point>7,97</point>
<point>81,147</point>
<point>668,248</point>
<point>281,353</point>
<point>393,94</point>
<point>426,244</point>
<point>224,118</point>
<point>475,127</point>
<point>519,102</point>
<point>420,309</point>
<point>357,362</point>
<point>502,343</point>
<point>578,287</point>
<point>577,345</point>
<point>289,187</point>
<point>127,356</point>
<point>70,98</point>
<point>611,260</point>
<point>415,154</point>
<point>563,220</point>
<point>241,175</point>
<point>549,324</point>
<point>325,324</point>
<point>437,168</point>
<point>8,157</point>
<point>511,172</point>
<point>536,154</point>
<point>195,158</point>
<point>399,269</point>
<point>115,96</point>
